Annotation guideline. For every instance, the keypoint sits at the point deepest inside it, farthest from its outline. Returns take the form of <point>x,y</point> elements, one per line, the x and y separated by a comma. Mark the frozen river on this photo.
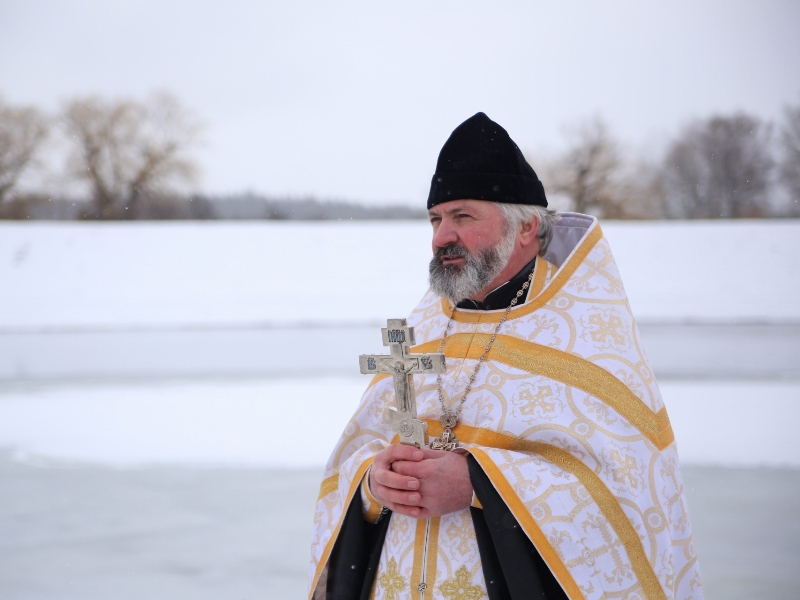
<point>676,351</point>
<point>146,476</point>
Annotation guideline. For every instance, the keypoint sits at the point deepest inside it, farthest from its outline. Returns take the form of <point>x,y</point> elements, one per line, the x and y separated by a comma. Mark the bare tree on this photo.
<point>22,131</point>
<point>126,150</point>
<point>790,155</point>
<point>588,172</point>
<point>719,168</point>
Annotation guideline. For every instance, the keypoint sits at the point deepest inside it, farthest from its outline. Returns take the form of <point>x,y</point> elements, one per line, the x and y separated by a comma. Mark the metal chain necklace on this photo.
<point>449,418</point>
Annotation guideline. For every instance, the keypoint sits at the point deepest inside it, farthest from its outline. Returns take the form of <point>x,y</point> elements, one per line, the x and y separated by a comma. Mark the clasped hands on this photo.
<point>420,483</point>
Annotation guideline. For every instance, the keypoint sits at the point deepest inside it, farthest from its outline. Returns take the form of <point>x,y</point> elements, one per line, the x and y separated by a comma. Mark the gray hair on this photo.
<point>516,214</point>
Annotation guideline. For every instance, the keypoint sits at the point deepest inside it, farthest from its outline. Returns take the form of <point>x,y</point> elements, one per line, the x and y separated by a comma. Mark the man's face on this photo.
<point>475,225</point>
<point>471,246</point>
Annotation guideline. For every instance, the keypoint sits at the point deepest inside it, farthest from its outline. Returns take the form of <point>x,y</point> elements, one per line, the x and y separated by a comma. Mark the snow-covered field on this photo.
<point>88,275</point>
<point>153,343</point>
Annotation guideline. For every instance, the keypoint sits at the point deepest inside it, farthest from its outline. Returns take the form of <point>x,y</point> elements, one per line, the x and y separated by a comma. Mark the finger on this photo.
<point>403,452</point>
<point>409,511</point>
<point>415,512</point>
<point>394,480</point>
<point>435,454</point>
<point>408,468</point>
<point>383,459</point>
<point>386,494</point>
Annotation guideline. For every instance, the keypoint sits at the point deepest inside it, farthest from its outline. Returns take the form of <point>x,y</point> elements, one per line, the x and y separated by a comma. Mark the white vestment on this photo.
<point>566,419</point>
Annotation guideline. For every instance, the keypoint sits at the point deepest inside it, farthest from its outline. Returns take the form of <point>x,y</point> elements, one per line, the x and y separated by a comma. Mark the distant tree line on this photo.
<point>133,160</point>
<point>201,207</point>
<point>724,166</point>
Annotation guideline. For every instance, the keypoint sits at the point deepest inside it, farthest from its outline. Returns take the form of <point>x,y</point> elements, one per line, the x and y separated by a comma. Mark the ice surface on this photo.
<point>117,275</point>
<point>717,351</point>
<point>98,533</point>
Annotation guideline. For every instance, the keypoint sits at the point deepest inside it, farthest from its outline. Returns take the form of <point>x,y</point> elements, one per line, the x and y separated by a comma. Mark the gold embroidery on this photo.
<point>328,485</point>
<point>485,437</point>
<point>392,581</point>
<point>604,499</point>
<point>433,552</point>
<point>567,368</point>
<point>399,529</point>
<point>461,534</point>
<point>535,400</point>
<point>610,545</point>
<point>595,269</point>
<point>460,588</point>
<point>608,332</point>
<point>625,469</point>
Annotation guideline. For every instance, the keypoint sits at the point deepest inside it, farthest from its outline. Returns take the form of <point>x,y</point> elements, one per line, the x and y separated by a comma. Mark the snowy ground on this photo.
<point>293,423</point>
<point>73,275</point>
<point>144,445</point>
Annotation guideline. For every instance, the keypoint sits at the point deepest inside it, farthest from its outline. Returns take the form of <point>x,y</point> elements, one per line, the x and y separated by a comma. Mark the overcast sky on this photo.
<point>353,100</point>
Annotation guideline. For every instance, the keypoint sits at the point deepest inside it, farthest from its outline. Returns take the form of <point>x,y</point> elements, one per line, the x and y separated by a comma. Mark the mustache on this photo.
<point>449,250</point>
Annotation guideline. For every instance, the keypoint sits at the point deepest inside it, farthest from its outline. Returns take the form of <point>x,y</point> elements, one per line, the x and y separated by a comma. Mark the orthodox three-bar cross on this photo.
<point>402,365</point>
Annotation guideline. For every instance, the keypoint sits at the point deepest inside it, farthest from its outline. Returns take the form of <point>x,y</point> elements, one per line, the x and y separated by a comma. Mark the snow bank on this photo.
<point>121,275</point>
<point>295,422</point>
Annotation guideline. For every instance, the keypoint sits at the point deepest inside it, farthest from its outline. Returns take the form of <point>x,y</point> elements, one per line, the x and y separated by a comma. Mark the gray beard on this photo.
<point>456,283</point>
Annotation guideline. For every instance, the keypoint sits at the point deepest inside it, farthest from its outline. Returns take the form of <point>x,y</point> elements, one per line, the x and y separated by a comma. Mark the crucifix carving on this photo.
<point>402,365</point>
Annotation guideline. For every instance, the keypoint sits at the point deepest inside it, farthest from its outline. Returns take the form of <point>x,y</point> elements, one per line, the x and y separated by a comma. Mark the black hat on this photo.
<point>480,161</point>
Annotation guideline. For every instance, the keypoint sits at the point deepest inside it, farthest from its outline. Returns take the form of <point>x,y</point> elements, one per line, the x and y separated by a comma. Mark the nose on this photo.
<point>444,234</point>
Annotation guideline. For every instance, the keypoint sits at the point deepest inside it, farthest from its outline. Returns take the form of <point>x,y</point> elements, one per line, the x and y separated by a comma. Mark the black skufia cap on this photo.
<point>480,161</point>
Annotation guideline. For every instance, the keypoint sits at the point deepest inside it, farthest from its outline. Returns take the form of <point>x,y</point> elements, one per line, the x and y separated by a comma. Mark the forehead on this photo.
<point>482,207</point>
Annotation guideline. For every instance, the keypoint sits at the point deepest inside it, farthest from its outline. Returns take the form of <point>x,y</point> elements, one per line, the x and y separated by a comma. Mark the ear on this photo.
<point>528,232</point>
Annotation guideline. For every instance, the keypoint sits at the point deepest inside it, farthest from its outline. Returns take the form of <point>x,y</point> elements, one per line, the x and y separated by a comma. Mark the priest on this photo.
<point>552,472</point>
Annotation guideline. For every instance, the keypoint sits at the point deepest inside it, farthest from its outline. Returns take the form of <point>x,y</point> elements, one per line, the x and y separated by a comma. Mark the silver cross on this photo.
<point>402,365</point>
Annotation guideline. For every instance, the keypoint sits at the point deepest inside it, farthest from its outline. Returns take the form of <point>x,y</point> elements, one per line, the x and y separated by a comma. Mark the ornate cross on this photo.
<point>402,365</point>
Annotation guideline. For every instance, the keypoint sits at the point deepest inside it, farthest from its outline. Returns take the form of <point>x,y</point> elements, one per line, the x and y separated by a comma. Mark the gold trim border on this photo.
<point>326,552</point>
<point>566,368</point>
<point>604,498</point>
<point>531,528</point>
<point>431,553</point>
<point>593,236</point>
<point>539,278</point>
<point>431,569</point>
